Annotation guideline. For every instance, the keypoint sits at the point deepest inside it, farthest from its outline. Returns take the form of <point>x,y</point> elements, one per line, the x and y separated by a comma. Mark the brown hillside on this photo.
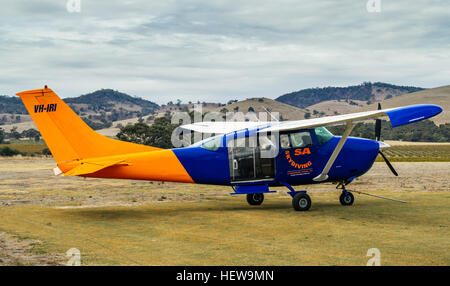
<point>439,96</point>
<point>287,112</point>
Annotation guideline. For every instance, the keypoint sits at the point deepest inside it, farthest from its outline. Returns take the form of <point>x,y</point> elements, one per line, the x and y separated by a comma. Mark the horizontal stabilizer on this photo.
<point>89,167</point>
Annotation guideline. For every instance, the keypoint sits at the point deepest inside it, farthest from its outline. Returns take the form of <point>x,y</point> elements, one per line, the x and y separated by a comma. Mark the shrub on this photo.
<point>6,151</point>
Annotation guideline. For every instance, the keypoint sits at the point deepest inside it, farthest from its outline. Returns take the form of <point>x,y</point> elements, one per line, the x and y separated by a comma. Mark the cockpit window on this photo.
<point>212,144</point>
<point>323,135</point>
<point>301,139</point>
<point>284,141</point>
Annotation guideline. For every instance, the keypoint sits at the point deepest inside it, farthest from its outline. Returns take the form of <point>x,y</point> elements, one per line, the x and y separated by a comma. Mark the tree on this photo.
<point>14,134</point>
<point>157,135</point>
<point>2,135</point>
<point>31,134</point>
<point>6,151</point>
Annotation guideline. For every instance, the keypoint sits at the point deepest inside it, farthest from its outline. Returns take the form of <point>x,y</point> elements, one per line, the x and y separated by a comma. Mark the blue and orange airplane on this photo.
<point>302,152</point>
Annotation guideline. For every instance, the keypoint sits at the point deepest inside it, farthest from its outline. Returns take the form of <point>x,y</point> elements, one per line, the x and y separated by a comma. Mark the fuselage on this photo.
<point>292,165</point>
<point>294,158</point>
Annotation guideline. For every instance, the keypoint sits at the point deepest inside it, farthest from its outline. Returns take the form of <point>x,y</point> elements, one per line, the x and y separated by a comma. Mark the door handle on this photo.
<point>235,164</point>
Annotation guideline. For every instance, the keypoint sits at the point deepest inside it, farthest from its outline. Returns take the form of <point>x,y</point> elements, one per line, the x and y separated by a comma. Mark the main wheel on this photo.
<point>346,200</point>
<point>255,199</point>
<point>301,202</point>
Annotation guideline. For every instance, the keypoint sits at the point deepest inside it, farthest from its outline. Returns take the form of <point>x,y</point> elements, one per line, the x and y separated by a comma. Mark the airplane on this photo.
<point>304,151</point>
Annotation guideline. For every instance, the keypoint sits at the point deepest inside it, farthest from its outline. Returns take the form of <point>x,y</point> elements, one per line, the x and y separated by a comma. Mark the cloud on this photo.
<point>220,50</point>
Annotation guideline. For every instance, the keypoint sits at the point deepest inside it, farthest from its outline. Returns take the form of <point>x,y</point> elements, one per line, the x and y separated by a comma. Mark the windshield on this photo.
<point>323,135</point>
<point>213,144</point>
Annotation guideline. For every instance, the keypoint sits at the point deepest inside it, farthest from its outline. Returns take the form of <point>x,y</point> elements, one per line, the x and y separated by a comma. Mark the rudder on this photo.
<point>67,136</point>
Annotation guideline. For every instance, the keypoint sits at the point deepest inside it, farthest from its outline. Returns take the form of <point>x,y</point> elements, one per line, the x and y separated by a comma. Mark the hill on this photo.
<point>439,96</point>
<point>366,92</point>
<point>108,100</point>
<point>98,109</point>
<point>287,112</point>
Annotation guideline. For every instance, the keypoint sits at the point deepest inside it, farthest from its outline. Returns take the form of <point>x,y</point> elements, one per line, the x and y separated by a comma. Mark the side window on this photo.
<point>265,142</point>
<point>301,139</point>
<point>284,141</point>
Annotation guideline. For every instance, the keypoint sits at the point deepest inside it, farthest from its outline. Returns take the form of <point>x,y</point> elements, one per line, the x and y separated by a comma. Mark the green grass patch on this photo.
<point>26,147</point>
<point>421,153</point>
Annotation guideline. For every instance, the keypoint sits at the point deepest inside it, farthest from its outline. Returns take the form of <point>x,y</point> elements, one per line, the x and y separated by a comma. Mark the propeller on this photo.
<point>388,163</point>
<point>378,138</point>
<point>378,126</point>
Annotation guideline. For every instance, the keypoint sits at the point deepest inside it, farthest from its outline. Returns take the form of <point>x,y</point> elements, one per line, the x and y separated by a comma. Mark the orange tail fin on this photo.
<point>67,136</point>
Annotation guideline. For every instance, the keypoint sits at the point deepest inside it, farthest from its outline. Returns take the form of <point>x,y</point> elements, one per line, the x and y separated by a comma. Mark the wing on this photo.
<point>398,116</point>
<point>220,127</point>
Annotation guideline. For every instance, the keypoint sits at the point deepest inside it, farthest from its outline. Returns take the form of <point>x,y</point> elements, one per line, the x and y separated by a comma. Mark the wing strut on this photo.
<point>324,175</point>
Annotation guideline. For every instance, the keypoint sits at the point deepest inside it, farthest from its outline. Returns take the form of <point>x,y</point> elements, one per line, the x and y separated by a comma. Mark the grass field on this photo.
<point>419,153</point>
<point>26,147</point>
<point>227,231</point>
<point>119,222</point>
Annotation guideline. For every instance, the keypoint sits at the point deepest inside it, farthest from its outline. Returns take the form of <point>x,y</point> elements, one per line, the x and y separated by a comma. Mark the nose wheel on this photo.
<point>346,198</point>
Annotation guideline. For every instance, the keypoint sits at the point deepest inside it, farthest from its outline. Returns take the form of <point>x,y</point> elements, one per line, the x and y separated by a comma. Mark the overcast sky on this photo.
<point>220,50</point>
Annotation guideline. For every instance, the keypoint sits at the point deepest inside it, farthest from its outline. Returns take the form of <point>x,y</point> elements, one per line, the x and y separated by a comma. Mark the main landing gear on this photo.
<point>346,198</point>
<point>301,201</point>
<point>255,199</point>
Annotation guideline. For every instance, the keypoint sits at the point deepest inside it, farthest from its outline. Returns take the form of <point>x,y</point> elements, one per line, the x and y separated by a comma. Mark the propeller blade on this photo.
<point>378,126</point>
<point>388,163</point>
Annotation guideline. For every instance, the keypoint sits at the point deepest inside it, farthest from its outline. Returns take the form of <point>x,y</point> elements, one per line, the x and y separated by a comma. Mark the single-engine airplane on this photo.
<point>305,151</point>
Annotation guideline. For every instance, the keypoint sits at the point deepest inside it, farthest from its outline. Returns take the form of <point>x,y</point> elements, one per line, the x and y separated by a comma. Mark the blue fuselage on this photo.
<point>295,166</point>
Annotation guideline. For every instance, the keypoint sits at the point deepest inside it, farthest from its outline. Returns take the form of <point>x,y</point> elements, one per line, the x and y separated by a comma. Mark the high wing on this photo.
<point>221,127</point>
<point>398,116</point>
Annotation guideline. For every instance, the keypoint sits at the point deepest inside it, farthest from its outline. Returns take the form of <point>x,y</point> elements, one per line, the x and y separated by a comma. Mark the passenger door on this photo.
<point>248,161</point>
<point>296,156</point>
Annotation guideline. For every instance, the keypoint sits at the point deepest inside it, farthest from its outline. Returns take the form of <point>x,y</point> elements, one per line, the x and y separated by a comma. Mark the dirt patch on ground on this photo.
<point>20,252</point>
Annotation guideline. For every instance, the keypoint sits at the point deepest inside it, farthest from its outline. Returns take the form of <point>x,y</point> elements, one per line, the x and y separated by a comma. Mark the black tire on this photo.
<point>255,199</point>
<point>301,202</point>
<point>346,200</point>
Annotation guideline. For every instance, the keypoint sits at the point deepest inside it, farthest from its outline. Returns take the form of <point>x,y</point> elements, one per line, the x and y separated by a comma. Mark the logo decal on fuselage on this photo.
<point>297,153</point>
<point>51,107</point>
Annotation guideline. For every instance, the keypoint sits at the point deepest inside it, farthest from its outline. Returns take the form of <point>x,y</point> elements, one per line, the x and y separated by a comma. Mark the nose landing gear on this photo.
<point>346,198</point>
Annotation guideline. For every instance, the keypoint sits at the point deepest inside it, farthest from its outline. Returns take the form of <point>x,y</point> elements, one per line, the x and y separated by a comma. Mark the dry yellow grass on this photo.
<point>227,231</point>
<point>119,222</point>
